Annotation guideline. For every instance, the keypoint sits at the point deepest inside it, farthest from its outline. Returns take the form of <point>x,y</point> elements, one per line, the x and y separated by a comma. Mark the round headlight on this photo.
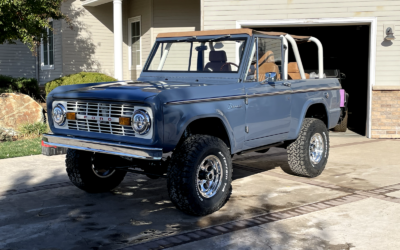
<point>59,113</point>
<point>141,122</point>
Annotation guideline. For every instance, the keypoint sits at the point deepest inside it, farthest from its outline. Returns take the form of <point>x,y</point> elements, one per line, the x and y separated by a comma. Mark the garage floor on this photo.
<point>354,204</point>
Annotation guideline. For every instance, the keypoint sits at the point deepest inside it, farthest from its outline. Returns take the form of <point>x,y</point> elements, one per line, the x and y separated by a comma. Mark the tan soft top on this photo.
<point>249,32</point>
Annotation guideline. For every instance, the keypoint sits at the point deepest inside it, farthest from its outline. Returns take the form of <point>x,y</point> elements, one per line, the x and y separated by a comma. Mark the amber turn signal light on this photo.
<point>71,116</point>
<point>125,121</point>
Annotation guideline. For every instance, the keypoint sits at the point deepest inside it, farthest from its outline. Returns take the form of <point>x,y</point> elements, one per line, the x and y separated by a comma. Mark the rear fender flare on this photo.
<point>306,106</point>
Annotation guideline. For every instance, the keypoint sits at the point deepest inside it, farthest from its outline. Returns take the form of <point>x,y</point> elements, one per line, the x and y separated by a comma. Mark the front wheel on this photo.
<point>200,175</point>
<point>91,172</point>
<point>308,154</point>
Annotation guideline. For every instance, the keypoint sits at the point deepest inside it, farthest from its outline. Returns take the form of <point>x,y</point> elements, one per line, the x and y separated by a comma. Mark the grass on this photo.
<point>31,130</point>
<point>20,148</point>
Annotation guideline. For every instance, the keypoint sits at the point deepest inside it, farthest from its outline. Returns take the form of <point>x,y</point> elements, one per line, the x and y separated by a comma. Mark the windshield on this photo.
<point>222,55</point>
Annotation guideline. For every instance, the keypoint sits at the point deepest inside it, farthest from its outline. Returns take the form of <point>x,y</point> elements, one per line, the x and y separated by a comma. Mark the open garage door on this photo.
<point>346,48</point>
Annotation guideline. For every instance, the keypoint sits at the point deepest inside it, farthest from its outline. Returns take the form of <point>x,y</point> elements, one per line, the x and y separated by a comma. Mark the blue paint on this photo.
<point>270,118</point>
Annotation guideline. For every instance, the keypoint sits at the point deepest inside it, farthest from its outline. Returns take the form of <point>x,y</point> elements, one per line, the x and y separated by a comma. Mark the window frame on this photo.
<point>42,65</point>
<point>175,40</point>
<point>255,42</point>
<point>137,19</point>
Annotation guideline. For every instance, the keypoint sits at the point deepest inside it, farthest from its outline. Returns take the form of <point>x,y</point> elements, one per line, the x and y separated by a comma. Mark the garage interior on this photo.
<point>346,48</point>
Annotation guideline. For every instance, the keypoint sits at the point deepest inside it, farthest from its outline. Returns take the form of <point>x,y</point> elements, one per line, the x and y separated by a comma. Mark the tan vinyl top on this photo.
<point>249,32</point>
<point>207,33</point>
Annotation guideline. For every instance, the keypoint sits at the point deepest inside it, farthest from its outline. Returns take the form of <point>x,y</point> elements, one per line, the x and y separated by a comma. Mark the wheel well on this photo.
<point>207,126</point>
<point>318,111</point>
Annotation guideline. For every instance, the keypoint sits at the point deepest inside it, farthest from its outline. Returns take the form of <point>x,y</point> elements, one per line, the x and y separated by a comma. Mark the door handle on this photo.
<point>287,84</point>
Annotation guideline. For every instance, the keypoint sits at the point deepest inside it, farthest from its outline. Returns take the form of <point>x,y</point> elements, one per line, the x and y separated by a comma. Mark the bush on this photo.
<point>29,86</point>
<point>79,78</point>
<point>33,129</point>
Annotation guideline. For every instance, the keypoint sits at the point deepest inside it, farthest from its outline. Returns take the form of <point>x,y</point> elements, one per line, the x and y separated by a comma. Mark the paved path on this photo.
<point>354,204</point>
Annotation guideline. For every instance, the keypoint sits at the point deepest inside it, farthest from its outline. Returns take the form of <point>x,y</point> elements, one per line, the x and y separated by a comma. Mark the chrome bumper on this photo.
<point>104,147</point>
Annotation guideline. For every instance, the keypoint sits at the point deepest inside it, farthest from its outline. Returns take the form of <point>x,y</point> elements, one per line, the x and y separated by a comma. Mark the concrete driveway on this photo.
<point>354,204</point>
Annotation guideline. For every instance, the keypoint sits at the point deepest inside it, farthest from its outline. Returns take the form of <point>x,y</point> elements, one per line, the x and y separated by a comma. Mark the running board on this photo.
<point>261,148</point>
<point>127,169</point>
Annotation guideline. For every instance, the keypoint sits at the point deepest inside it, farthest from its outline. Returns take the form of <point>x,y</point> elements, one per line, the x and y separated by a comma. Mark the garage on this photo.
<point>346,51</point>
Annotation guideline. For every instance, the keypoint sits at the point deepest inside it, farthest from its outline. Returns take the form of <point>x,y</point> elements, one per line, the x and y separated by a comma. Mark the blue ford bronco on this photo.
<point>202,97</point>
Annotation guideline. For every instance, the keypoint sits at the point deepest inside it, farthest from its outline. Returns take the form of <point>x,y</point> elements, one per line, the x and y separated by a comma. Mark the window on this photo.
<point>269,52</point>
<point>47,49</point>
<point>208,55</point>
<point>135,44</point>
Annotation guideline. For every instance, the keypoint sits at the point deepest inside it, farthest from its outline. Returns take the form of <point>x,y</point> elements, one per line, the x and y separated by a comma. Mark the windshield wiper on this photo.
<point>221,37</point>
<point>187,39</point>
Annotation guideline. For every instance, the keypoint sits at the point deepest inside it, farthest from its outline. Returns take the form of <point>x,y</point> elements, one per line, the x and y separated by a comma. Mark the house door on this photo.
<point>269,102</point>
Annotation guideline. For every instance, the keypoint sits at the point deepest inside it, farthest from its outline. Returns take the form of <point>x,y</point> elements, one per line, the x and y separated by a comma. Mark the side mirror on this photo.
<point>270,77</point>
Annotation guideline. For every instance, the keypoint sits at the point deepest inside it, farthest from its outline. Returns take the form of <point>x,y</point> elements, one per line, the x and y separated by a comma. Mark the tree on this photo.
<point>25,20</point>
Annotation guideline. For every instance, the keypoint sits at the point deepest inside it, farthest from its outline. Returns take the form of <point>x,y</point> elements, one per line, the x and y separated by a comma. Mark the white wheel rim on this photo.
<point>102,173</point>
<point>316,148</point>
<point>209,176</point>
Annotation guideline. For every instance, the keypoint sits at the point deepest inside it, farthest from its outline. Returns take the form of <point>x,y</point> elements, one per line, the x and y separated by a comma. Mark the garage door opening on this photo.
<point>346,48</point>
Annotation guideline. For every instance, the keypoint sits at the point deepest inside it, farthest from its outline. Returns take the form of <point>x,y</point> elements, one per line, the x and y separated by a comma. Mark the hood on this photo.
<point>117,91</point>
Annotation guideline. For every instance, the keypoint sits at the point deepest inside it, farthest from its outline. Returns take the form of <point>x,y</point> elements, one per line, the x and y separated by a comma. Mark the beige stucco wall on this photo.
<point>89,45</point>
<point>223,14</point>
<point>142,8</point>
<point>175,15</point>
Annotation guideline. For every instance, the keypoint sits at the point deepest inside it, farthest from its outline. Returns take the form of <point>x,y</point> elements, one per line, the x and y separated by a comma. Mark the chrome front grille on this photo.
<point>100,117</point>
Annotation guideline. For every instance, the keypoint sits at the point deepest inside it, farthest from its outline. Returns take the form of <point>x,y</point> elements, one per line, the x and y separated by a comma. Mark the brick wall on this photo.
<point>385,116</point>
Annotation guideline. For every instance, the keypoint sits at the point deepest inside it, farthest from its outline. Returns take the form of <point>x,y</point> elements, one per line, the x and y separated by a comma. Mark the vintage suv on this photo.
<point>202,97</point>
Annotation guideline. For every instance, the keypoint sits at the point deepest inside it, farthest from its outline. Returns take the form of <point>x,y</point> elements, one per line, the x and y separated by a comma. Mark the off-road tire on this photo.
<point>182,175</point>
<point>342,126</point>
<point>80,172</point>
<point>299,150</point>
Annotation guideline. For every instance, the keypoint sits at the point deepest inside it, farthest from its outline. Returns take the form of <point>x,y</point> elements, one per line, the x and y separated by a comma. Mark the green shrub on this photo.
<point>29,86</point>
<point>79,78</point>
<point>33,129</point>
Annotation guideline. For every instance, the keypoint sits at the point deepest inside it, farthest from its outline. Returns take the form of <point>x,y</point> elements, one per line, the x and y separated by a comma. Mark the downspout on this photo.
<point>297,55</point>
<point>37,64</point>
<point>117,22</point>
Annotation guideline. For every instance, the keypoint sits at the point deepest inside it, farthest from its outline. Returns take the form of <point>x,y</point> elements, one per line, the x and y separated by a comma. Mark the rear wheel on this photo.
<point>308,154</point>
<point>91,172</point>
<point>342,126</point>
<point>200,175</point>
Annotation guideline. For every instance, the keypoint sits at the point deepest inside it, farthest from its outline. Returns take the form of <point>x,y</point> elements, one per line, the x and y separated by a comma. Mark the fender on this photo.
<point>298,121</point>
<point>178,118</point>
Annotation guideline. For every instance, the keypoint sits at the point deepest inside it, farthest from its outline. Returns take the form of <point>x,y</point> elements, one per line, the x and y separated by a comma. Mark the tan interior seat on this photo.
<point>218,62</point>
<point>294,72</point>
<point>267,64</point>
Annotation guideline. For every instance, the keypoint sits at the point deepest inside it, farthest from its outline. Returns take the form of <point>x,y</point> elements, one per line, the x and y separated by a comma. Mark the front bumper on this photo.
<point>104,147</point>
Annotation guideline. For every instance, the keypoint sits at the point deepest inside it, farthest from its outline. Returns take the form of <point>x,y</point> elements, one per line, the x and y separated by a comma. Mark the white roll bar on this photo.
<point>164,56</point>
<point>285,66</point>
<point>320,57</point>
<point>296,54</point>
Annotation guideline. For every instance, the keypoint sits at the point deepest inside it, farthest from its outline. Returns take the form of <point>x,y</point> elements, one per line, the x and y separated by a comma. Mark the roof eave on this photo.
<point>93,3</point>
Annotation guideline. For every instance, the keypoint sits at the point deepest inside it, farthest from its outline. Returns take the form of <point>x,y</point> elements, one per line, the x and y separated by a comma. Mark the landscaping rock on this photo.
<point>16,110</point>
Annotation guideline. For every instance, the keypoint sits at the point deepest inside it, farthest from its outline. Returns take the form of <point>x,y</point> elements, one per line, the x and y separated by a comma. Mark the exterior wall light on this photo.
<point>389,34</point>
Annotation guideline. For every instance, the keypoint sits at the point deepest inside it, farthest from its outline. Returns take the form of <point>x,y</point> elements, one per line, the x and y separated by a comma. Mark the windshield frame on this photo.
<point>198,74</point>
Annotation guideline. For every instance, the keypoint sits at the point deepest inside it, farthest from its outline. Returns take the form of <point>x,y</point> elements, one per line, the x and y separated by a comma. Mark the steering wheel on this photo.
<point>228,63</point>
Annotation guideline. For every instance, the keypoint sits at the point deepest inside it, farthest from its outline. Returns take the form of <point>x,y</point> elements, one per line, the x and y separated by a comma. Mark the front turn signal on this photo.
<point>125,121</point>
<point>71,116</point>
